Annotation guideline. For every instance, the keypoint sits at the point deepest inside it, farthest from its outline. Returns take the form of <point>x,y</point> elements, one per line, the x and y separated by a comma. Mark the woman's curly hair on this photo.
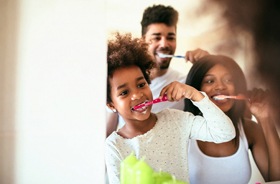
<point>125,51</point>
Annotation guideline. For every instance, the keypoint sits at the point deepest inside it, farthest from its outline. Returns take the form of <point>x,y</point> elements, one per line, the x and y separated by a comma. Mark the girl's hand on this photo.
<point>176,91</point>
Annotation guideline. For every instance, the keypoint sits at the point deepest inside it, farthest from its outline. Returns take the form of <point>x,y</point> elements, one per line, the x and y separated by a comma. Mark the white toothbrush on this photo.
<point>161,55</point>
<point>222,97</point>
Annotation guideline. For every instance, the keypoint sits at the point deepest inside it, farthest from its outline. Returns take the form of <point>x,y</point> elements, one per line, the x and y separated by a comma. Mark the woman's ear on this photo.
<point>111,106</point>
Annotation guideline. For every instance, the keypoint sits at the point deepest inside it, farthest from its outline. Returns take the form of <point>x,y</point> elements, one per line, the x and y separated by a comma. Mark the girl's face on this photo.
<point>218,81</point>
<point>130,88</point>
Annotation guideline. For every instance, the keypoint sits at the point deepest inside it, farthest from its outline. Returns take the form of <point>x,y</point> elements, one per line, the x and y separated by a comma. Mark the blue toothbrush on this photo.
<point>161,55</point>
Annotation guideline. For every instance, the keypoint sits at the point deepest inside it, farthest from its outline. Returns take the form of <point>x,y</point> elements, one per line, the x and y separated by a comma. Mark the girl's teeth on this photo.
<point>141,109</point>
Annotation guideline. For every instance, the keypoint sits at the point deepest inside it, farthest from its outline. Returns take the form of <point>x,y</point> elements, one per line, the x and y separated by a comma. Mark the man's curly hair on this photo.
<point>159,14</point>
<point>125,51</point>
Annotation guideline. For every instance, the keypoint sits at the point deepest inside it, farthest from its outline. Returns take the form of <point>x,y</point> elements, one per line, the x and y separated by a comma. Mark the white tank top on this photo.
<point>233,169</point>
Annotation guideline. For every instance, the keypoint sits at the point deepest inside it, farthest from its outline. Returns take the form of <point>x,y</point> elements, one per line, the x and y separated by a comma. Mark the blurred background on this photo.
<point>200,26</point>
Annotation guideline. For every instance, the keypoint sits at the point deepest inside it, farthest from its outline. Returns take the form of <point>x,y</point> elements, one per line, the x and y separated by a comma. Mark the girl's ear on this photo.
<point>111,106</point>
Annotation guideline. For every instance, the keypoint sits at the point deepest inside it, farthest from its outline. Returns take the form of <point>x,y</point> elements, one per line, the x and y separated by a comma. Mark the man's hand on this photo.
<point>194,55</point>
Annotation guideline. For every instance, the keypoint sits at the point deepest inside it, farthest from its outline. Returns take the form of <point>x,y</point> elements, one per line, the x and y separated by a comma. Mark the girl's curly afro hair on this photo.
<point>125,51</point>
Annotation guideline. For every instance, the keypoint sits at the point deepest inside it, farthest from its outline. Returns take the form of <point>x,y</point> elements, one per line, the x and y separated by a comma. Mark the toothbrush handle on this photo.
<point>157,100</point>
<point>177,56</point>
<point>240,97</point>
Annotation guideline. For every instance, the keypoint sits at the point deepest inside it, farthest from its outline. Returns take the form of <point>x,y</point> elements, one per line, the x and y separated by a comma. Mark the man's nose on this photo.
<point>163,42</point>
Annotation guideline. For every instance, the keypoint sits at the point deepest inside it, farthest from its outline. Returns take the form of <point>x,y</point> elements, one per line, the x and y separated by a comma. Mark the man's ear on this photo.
<point>112,107</point>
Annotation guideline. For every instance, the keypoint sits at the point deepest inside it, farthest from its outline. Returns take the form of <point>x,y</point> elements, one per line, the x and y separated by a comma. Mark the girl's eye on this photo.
<point>123,93</point>
<point>141,85</point>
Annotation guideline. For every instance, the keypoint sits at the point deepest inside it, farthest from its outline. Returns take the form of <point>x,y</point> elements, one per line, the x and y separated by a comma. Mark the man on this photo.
<point>159,26</point>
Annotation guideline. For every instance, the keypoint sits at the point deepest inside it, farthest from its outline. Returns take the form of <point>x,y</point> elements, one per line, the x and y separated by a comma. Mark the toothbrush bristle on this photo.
<point>219,97</point>
<point>222,97</point>
<point>161,55</point>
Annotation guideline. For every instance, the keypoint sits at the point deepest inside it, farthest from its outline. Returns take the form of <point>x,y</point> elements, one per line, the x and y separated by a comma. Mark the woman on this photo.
<point>229,162</point>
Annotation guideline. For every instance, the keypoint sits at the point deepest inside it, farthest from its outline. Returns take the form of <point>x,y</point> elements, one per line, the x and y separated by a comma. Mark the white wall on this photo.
<point>53,79</point>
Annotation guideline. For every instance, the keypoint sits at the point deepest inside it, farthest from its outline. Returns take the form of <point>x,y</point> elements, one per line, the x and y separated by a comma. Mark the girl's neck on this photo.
<point>132,129</point>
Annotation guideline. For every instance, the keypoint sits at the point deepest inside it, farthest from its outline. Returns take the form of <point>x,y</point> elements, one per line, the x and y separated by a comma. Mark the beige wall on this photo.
<point>8,39</point>
<point>52,64</point>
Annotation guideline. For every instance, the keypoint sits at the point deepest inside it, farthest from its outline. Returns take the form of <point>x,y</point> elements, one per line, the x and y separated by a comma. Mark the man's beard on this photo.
<point>164,65</point>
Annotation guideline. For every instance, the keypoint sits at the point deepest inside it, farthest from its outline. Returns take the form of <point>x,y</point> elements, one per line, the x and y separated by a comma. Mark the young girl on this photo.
<point>163,137</point>
<point>229,162</point>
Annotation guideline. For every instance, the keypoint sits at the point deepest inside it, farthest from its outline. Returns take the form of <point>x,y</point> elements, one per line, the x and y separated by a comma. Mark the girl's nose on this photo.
<point>136,96</point>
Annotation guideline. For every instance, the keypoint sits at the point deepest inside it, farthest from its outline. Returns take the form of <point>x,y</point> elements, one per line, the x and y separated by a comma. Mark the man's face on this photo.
<point>161,39</point>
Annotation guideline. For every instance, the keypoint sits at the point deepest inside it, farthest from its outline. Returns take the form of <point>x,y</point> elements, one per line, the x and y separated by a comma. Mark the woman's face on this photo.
<point>128,89</point>
<point>218,81</point>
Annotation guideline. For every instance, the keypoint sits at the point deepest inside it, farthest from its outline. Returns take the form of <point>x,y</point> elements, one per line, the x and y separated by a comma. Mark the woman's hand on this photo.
<point>259,103</point>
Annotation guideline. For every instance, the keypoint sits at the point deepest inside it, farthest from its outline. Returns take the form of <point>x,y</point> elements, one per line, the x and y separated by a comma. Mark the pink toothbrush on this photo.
<point>222,97</point>
<point>157,100</point>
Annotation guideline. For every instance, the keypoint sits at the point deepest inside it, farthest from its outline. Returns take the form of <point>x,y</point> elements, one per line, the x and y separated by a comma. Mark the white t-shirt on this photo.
<point>156,86</point>
<point>165,145</point>
<point>160,82</point>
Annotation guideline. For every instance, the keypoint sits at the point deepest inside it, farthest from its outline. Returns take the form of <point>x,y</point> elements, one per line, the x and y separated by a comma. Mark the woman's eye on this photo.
<point>227,80</point>
<point>209,81</point>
